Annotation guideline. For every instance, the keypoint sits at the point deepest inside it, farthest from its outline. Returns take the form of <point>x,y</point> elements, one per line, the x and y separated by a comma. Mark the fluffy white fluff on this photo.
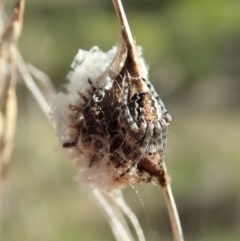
<point>86,64</point>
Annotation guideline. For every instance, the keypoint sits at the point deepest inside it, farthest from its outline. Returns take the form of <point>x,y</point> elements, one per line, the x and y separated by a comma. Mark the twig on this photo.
<point>133,56</point>
<point>135,70</point>
<point>118,228</point>
<point>14,25</point>
<point>172,209</point>
<point>9,37</point>
<point>31,85</point>
<point>43,79</point>
<point>9,123</point>
<point>117,197</point>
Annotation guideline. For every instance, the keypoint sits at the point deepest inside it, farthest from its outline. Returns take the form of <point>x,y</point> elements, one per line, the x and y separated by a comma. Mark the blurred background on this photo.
<point>193,51</point>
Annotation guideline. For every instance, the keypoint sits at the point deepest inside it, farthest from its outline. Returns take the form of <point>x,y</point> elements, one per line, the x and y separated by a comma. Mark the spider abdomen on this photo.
<point>144,107</point>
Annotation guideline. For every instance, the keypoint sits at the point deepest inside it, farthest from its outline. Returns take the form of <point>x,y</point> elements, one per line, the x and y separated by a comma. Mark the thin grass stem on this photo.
<point>118,228</point>
<point>117,197</point>
<point>9,125</point>
<point>172,210</point>
<point>43,79</point>
<point>133,55</point>
<point>31,85</point>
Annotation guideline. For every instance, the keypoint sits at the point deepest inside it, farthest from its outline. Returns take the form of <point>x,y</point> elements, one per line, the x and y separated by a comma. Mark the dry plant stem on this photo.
<point>172,210</point>
<point>118,228</point>
<point>131,45</point>
<point>44,80</point>
<point>9,127</point>
<point>118,213</point>
<point>9,37</point>
<point>31,85</point>
<point>2,76</point>
<point>14,25</point>
<point>117,197</point>
<point>136,72</point>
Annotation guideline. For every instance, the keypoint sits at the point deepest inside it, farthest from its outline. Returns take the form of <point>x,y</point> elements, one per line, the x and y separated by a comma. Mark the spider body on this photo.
<point>124,124</point>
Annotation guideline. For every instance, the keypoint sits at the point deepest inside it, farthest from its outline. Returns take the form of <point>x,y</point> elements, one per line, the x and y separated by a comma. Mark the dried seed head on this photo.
<point>111,125</point>
<point>13,27</point>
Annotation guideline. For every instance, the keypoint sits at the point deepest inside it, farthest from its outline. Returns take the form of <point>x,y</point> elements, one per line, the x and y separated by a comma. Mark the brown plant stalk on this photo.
<point>164,178</point>
<point>8,98</point>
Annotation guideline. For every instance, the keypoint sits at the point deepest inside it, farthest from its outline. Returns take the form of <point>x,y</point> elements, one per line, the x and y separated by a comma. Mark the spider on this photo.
<point>128,125</point>
<point>146,120</point>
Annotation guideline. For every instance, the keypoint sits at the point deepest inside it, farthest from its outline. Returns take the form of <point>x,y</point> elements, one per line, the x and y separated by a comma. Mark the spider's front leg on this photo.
<point>78,121</point>
<point>135,127</point>
<point>139,147</point>
<point>165,122</point>
<point>158,136</point>
<point>146,139</point>
<point>130,124</point>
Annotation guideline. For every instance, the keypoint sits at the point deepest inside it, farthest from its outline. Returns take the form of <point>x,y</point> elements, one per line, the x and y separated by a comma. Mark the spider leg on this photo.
<point>159,138</point>
<point>153,144</point>
<point>91,84</point>
<point>139,152</point>
<point>78,121</point>
<point>69,144</point>
<point>147,138</point>
<point>75,108</point>
<point>164,126</point>
<point>135,131</point>
<point>130,124</point>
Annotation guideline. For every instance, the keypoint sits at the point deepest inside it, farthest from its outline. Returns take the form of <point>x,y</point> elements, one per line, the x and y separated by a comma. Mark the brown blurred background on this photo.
<point>193,51</point>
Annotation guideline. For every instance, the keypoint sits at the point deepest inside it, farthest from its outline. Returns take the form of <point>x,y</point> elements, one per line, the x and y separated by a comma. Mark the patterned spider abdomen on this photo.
<point>144,107</point>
